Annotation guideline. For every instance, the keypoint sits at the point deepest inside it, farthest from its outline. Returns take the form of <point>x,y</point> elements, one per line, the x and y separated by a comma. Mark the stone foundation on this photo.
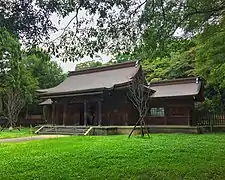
<point>120,130</point>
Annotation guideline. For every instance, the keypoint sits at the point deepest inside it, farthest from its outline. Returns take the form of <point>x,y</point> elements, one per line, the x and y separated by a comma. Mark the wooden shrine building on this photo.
<point>98,96</point>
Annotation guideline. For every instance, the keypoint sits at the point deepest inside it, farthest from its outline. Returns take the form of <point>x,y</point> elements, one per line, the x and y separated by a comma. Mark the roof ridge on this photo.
<point>103,68</point>
<point>176,81</point>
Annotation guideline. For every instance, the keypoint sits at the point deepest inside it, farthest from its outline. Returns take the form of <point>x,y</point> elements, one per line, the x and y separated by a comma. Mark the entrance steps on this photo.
<point>63,130</point>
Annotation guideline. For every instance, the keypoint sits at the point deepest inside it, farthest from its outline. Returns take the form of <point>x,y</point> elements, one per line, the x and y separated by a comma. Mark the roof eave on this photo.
<point>71,93</point>
<point>195,96</point>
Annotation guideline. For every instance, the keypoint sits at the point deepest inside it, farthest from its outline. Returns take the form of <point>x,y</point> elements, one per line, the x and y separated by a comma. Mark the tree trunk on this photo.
<point>142,130</point>
<point>134,127</point>
<point>14,102</point>
<point>146,128</point>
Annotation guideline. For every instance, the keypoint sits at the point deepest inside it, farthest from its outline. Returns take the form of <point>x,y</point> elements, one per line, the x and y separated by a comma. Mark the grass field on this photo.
<point>16,133</point>
<point>163,156</point>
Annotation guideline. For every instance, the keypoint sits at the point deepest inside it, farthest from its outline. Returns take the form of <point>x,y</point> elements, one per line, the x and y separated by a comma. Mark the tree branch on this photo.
<point>163,10</point>
<point>71,20</point>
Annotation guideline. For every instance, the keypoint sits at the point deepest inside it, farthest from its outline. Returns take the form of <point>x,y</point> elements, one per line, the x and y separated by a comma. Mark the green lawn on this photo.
<point>16,133</point>
<point>163,156</point>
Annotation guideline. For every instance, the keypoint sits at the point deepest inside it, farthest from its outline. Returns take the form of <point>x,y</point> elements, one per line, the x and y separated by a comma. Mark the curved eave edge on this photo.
<point>200,92</point>
<point>42,90</point>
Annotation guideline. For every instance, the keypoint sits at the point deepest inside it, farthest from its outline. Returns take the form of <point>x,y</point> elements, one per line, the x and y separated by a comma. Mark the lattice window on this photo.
<point>160,112</point>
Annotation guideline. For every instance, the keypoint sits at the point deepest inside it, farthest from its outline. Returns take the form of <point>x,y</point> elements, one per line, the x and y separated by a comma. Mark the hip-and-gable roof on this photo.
<point>95,79</point>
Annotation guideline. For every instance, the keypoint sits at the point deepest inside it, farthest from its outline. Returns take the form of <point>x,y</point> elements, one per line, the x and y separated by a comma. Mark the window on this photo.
<point>157,112</point>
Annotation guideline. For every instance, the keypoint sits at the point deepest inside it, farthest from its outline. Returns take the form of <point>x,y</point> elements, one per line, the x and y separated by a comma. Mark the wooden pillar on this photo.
<point>124,118</point>
<point>165,115</point>
<point>85,113</point>
<point>189,112</point>
<point>47,114</point>
<point>99,113</point>
<point>64,113</point>
<point>109,122</point>
<point>44,112</point>
<point>26,114</point>
<point>53,113</point>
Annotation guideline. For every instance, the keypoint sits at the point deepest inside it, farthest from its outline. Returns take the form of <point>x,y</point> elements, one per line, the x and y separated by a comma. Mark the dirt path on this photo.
<point>30,138</point>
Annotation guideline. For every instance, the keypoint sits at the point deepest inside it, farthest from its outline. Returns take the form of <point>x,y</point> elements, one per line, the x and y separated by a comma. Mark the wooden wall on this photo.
<point>178,111</point>
<point>118,110</point>
<point>68,116</point>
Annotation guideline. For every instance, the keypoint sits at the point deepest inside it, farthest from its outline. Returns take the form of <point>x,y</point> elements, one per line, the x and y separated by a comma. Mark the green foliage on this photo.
<point>211,63</point>
<point>47,72</point>
<point>29,20</point>
<point>202,55</point>
<point>22,73</point>
<point>150,24</point>
<point>9,56</point>
<point>116,157</point>
<point>156,69</point>
<point>88,64</point>
<point>26,71</point>
<point>182,65</point>
<point>93,64</point>
<point>18,85</point>
<point>161,20</point>
<point>13,71</point>
<point>110,26</point>
<point>123,57</point>
<point>143,29</point>
<point>28,83</point>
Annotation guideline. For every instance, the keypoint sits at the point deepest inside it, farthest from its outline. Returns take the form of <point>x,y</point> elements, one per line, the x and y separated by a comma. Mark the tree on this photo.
<point>178,65</point>
<point>47,72</point>
<point>182,65</point>
<point>88,64</point>
<point>18,91</point>
<point>14,102</point>
<point>210,56</point>
<point>124,57</point>
<point>28,20</point>
<point>9,49</point>
<point>109,26</point>
<point>202,55</point>
<point>156,69</point>
<point>122,29</point>
<point>139,94</point>
<point>93,64</point>
<point>18,84</point>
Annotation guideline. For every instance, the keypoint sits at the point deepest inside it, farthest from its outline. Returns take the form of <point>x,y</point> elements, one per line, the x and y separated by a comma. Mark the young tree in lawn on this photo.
<point>139,94</point>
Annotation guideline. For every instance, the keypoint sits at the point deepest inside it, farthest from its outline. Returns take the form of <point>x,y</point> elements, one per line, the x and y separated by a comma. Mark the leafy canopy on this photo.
<point>47,72</point>
<point>107,26</point>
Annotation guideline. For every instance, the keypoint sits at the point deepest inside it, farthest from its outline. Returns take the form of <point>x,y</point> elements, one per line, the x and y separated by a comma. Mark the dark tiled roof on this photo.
<point>94,79</point>
<point>178,87</point>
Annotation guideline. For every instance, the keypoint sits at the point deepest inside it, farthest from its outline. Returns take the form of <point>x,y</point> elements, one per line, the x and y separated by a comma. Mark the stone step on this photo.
<point>62,133</point>
<point>64,130</point>
<point>70,130</point>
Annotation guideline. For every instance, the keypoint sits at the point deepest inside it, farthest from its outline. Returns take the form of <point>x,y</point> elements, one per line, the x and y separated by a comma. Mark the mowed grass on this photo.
<point>163,156</point>
<point>16,133</point>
